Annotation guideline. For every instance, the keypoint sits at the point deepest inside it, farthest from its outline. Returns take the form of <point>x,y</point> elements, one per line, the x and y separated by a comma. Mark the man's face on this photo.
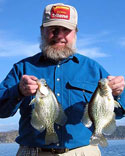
<point>58,36</point>
<point>58,42</point>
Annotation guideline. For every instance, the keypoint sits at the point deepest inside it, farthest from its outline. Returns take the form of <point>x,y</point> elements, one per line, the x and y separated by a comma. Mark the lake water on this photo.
<point>115,148</point>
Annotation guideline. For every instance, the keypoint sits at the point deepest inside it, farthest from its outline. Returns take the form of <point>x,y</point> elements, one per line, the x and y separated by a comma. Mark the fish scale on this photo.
<point>47,111</point>
<point>100,112</point>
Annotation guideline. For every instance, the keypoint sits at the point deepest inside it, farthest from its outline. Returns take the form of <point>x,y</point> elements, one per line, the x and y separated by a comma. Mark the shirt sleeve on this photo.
<point>120,112</point>
<point>10,97</point>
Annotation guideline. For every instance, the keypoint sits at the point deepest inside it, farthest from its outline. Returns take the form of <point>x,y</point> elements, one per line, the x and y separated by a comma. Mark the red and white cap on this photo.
<point>60,14</point>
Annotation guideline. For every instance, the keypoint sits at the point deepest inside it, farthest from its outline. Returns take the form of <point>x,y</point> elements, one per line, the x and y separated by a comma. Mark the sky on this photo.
<point>101,35</point>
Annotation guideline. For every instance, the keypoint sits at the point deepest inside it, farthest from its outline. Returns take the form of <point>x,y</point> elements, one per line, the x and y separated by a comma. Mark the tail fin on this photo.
<point>98,139</point>
<point>51,138</point>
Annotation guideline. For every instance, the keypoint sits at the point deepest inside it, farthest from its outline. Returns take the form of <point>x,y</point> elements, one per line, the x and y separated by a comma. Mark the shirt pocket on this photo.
<point>79,94</point>
<point>80,91</point>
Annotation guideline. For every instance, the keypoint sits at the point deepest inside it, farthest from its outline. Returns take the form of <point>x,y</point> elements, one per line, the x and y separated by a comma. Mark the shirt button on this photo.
<point>118,98</point>
<point>58,65</point>
<point>58,79</point>
<point>58,127</point>
<point>58,94</point>
<point>57,144</point>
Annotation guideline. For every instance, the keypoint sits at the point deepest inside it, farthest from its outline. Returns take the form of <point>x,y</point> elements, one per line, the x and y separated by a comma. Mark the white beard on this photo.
<point>57,53</point>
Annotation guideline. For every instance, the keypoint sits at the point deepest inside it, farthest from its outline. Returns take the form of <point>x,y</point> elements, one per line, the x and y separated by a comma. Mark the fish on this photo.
<point>99,112</point>
<point>46,112</point>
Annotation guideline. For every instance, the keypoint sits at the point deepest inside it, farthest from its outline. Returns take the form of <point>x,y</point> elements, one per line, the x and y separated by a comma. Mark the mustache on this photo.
<point>54,41</point>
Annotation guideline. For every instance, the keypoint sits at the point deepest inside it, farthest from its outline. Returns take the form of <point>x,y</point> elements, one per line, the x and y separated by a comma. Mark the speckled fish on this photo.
<point>100,112</point>
<point>46,112</point>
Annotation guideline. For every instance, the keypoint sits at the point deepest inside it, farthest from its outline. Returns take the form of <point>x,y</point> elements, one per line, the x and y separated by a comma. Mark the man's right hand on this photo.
<point>28,85</point>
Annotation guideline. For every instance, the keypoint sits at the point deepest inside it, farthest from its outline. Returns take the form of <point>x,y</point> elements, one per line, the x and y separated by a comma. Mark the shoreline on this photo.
<point>18,144</point>
<point>10,136</point>
<point>106,138</point>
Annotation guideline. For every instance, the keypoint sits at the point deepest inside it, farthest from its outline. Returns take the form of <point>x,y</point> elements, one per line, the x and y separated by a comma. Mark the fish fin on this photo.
<point>35,122</point>
<point>33,101</point>
<point>51,138</point>
<point>117,104</point>
<point>110,127</point>
<point>85,119</point>
<point>98,139</point>
<point>61,118</point>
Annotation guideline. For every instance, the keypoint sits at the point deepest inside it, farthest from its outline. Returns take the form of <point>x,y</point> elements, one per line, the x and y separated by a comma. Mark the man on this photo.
<point>72,77</point>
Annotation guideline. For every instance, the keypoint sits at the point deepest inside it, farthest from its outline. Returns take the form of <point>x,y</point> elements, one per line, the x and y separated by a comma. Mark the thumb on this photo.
<point>110,77</point>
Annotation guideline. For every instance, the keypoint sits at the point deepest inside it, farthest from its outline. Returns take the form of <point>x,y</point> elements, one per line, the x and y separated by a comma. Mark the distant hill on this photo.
<point>9,137</point>
<point>118,134</point>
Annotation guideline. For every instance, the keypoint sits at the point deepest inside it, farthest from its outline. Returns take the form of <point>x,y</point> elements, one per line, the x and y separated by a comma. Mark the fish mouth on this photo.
<point>103,86</point>
<point>42,88</point>
<point>103,83</point>
<point>41,82</point>
<point>43,93</point>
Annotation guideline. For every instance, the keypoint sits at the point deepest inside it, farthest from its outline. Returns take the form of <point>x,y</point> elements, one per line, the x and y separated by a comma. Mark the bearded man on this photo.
<point>72,77</point>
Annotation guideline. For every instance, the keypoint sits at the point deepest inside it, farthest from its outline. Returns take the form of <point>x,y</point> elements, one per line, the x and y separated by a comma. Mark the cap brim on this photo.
<point>60,23</point>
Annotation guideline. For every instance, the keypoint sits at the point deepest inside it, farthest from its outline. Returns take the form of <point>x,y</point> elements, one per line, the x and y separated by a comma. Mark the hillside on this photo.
<point>118,134</point>
<point>9,137</point>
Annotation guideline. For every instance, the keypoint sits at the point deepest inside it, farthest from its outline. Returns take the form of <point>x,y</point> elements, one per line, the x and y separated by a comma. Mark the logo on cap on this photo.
<point>60,12</point>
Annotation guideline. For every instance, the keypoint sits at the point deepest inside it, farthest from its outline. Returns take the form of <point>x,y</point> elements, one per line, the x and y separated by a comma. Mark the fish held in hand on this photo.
<point>100,112</point>
<point>46,112</point>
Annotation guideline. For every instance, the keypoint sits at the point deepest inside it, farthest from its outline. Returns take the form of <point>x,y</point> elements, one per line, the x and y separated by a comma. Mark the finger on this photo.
<point>115,80</point>
<point>34,78</point>
<point>114,85</point>
<point>117,89</point>
<point>30,92</point>
<point>116,93</point>
<point>31,87</point>
<point>29,80</point>
<point>28,85</point>
<point>110,77</point>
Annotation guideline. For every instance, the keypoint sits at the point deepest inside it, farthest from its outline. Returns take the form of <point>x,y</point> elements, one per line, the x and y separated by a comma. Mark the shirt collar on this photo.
<point>73,57</point>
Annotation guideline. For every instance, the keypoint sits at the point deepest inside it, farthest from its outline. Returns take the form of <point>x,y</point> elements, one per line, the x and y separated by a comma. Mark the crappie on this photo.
<point>100,112</point>
<point>46,112</point>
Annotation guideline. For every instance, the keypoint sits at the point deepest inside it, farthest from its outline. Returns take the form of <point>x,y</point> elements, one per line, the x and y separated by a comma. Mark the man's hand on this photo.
<point>117,84</point>
<point>28,85</point>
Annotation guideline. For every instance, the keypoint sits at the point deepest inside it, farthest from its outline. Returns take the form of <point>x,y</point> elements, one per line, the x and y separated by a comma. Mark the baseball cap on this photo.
<point>60,14</point>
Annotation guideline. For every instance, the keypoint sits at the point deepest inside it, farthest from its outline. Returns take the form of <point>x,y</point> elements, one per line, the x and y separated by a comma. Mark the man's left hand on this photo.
<point>117,84</point>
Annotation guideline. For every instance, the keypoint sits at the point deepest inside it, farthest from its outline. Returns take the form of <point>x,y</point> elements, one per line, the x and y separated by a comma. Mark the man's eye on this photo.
<point>55,31</point>
<point>52,29</point>
<point>66,30</point>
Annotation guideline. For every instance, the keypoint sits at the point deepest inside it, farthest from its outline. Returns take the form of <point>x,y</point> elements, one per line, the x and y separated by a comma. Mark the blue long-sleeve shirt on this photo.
<point>73,81</point>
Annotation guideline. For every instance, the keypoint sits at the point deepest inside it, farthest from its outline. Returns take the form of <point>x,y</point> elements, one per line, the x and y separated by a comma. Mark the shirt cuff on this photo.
<point>15,93</point>
<point>121,99</point>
